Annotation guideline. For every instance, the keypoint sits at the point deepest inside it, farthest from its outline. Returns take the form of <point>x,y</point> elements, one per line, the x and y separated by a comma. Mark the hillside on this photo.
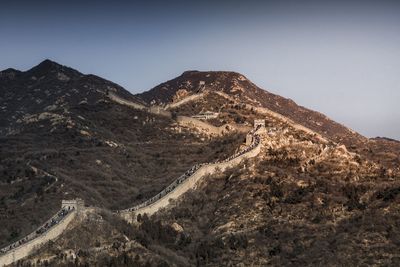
<point>317,193</point>
<point>301,202</point>
<point>213,87</point>
<point>240,88</point>
<point>61,137</point>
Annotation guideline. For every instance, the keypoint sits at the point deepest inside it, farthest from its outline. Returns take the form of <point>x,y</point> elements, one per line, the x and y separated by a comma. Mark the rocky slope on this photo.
<point>239,87</point>
<point>62,137</point>
<point>319,194</point>
<point>302,202</point>
<point>243,91</point>
<point>45,88</point>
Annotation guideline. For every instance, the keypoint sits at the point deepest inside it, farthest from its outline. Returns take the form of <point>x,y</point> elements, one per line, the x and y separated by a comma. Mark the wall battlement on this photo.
<point>190,178</point>
<point>50,230</point>
<point>77,204</point>
<point>70,209</point>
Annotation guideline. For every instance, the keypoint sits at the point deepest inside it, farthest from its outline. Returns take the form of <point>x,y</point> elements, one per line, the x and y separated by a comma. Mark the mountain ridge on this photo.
<point>68,138</point>
<point>71,129</point>
<point>238,85</point>
<point>49,65</point>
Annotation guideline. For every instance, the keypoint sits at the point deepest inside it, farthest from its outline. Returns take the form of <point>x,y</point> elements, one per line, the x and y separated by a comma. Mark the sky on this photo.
<point>340,58</point>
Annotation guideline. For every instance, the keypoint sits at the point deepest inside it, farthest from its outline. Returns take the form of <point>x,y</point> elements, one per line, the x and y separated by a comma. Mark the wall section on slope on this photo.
<point>188,184</point>
<point>27,248</point>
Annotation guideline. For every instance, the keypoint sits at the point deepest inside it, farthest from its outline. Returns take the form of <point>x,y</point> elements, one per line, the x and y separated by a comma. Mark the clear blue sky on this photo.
<point>341,58</point>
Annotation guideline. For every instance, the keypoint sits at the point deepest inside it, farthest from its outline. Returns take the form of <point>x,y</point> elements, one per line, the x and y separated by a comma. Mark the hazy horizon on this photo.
<point>340,58</point>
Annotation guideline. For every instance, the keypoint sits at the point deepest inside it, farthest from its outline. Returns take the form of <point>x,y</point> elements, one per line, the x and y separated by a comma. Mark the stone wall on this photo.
<point>249,139</point>
<point>27,248</point>
<point>203,126</point>
<point>159,111</point>
<point>35,240</point>
<point>183,120</point>
<point>266,111</point>
<point>208,128</point>
<point>152,109</point>
<point>76,204</point>
<point>184,101</point>
<point>189,183</point>
<point>123,101</point>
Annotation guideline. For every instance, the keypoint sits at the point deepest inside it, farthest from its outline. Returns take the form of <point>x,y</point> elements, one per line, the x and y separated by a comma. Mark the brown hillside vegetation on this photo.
<point>317,194</point>
<point>300,203</point>
<point>244,91</point>
<point>86,146</point>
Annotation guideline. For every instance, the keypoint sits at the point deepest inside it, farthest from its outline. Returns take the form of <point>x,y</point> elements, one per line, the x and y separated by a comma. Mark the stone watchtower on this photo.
<point>249,137</point>
<point>259,123</point>
<point>77,204</point>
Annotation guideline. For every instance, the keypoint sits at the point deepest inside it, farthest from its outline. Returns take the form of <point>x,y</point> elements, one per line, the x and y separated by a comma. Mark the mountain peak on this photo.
<point>214,74</point>
<point>49,63</point>
<point>10,70</point>
<point>193,82</point>
<point>9,73</point>
<point>46,65</point>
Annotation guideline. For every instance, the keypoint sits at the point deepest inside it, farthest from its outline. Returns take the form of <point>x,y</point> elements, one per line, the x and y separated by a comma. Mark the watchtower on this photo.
<point>202,84</point>
<point>77,204</point>
<point>259,123</point>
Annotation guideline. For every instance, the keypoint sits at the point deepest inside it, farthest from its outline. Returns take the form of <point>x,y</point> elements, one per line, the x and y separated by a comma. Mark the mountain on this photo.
<point>239,87</point>
<point>47,87</point>
<point>243,91</point>
<point>316,194</point>
<point>61,136</point>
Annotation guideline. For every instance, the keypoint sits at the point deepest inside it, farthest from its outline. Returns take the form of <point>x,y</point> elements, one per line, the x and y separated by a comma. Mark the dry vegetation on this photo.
<point>62,138</point>
<point>121,162</point>
<point>302,202</point>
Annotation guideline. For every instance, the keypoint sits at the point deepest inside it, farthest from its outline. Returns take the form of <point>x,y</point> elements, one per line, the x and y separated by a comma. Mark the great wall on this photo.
<point>190,178</point>
<point>207,127</point>
<point>182,184</point>
<point>50,230</point>
<point>70,209</point>
<point>183,120</point>
<point>27,245</point>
